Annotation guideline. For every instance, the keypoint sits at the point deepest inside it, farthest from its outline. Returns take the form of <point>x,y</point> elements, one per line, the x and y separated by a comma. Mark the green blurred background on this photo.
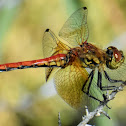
<point>22,24</point>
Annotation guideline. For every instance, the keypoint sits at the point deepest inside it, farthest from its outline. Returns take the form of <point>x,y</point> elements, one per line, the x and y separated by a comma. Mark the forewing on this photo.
<point>75,29</point>
<point>51,46</point>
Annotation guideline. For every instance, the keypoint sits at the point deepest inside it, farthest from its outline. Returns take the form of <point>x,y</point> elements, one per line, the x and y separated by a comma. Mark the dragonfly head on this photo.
<point>115,57</point>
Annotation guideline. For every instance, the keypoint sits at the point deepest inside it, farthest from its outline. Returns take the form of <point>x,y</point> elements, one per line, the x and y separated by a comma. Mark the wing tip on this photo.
<point>47,30</point>
<point>85,8</point>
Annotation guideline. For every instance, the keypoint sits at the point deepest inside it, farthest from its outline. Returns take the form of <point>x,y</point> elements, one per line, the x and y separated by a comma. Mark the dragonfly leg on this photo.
<point>99,83</point>
<point>111,80</point>
<point>93,97</point>
<point>91,75</point>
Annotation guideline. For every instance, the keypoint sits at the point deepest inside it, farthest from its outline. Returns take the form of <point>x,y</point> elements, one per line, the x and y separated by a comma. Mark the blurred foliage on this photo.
<point>21,30</point>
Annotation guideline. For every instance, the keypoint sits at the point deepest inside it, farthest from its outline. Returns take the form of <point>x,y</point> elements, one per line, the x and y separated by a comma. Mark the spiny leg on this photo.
<point>99,83</point>
<point>112,80</point>
<point>91,75</point>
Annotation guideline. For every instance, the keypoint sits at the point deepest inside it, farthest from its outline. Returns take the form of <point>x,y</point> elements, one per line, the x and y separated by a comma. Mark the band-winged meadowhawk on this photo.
<point>75,66</point>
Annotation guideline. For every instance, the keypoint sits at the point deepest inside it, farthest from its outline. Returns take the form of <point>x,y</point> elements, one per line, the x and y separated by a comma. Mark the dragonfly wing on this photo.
<point>68,82</point>
<point>51,46</point>
<point>75,29</point>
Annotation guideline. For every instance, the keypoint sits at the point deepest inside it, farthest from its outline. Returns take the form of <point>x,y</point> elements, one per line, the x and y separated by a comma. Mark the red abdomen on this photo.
<point>58,60</point>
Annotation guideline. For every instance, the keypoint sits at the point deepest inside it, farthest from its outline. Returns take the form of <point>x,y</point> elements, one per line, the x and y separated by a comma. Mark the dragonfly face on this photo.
<point>115,57</point>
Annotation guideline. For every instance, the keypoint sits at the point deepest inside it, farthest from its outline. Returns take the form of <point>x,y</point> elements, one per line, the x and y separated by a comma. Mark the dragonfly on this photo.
<point>74,67</point>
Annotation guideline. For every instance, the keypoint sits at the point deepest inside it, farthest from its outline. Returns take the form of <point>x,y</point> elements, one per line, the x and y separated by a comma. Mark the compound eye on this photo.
<point>117,55</point>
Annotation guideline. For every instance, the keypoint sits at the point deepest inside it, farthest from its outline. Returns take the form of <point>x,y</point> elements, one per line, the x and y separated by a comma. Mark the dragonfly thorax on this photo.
<point>94,56</point>
<point>90,55</point>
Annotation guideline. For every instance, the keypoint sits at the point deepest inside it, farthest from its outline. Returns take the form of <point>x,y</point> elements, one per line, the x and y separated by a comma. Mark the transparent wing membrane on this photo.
<point>75,29</point>
<point>51,46</point>
<point>69,82</point>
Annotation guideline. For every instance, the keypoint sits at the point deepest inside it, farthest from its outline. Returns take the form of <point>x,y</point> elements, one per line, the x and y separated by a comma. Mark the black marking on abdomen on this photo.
<point>24,67</point>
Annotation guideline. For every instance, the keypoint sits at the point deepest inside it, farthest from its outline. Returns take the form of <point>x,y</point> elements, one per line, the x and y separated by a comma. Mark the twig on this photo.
<point>59,120</point>
<point>99,109</point>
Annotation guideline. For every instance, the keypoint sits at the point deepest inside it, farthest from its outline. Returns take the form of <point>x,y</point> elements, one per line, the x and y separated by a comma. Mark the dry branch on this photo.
<point>99,109</point>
